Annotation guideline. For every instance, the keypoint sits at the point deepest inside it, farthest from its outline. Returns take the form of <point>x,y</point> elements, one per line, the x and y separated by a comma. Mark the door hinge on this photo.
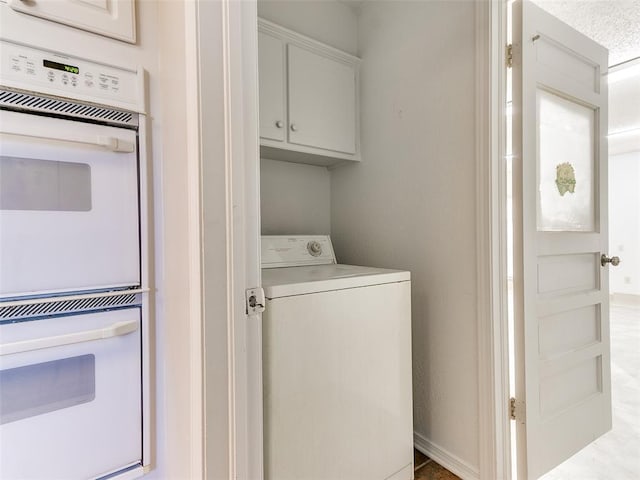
<point>254,300</point>
<point>509,59</point>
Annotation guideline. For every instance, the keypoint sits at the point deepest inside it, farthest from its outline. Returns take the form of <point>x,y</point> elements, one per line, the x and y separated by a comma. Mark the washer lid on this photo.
<point>289,281</point>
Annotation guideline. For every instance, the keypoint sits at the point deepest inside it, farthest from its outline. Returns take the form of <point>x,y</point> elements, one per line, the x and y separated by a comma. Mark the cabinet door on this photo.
<point>272,102</point>
<point>112,18</point>
<point>322,101</point>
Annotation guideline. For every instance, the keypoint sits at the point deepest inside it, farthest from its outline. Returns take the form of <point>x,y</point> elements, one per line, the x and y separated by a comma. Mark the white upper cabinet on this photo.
<point>111,18</point>
<point>308,99</point>
<point>322,101</point>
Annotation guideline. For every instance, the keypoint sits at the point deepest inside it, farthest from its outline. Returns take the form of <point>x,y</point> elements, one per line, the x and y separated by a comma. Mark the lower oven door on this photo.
<point>70,396</point>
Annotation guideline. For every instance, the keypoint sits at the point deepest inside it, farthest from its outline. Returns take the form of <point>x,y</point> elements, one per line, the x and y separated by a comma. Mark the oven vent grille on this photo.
<point>67,108</point>
<point>39,309</point>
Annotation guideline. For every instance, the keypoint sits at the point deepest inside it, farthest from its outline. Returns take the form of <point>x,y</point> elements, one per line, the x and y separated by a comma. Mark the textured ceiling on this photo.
<point>612,23</point>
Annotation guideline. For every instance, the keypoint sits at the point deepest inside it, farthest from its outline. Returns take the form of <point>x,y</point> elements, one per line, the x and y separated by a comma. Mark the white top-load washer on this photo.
<point>336,365</point>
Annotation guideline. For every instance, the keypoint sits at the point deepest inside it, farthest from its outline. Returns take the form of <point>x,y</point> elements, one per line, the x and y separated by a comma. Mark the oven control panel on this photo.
<point>36,70</point>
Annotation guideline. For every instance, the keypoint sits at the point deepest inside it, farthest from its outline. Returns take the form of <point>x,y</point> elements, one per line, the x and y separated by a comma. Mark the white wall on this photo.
<point>179,446</point>
<point>327,21</point>
<point>295,199</point>
<point>410,204</point>
<point>624,98</point>
<point>624,178</point>
<point>624,222</point>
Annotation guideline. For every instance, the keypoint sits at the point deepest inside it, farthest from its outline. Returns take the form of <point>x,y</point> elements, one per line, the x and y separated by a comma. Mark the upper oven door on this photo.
<point>68,206</point>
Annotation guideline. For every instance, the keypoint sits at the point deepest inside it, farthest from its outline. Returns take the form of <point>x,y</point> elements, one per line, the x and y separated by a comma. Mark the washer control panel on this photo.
<point>53,73</point>
<point>296,250</point>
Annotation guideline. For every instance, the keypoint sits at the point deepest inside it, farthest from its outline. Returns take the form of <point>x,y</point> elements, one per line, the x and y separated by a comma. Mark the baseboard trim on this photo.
<point>445,458</point>
<point>625,299</point>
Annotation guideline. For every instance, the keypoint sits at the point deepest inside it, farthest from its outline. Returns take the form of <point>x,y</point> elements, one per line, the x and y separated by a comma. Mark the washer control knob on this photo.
<point>314,248</point>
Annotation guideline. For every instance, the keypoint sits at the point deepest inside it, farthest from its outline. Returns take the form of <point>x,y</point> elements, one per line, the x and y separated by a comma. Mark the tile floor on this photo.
<point>427,469</point>
<point>615,455</point>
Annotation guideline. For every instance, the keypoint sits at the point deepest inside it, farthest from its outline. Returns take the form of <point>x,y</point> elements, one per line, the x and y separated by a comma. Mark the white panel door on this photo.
<point>112,18</point>
<point>563,386</point>
<point>271,69</point>
<point>322,101</point>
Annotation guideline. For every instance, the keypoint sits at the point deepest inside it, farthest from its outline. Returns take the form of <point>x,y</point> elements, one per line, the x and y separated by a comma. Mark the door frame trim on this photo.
<point>492,319</point>
<point>224,243</point>
<point>231,171</point>
<point>491,242</point>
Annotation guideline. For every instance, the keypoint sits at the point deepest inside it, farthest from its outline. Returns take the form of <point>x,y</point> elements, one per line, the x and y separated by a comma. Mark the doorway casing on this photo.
<point>491,241</point>
<point>241,197</point>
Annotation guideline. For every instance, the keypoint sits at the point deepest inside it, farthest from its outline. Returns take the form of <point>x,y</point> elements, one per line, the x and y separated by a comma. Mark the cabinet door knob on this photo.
<point>279,124</point>
<point>294,127</point>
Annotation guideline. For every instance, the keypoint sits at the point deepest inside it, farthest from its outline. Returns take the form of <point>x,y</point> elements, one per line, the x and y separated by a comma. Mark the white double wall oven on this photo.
<point>74,321</point>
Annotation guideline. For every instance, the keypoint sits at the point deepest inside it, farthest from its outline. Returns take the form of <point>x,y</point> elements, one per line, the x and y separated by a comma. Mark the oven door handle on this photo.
<point>113,144</point>
<point>116,330</point>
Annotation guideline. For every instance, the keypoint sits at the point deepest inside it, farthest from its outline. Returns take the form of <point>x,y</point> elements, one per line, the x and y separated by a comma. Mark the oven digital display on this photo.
<point>61,66</point>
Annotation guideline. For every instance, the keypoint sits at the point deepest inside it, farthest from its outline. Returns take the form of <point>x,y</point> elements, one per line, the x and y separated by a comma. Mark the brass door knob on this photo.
<point>615,261</point>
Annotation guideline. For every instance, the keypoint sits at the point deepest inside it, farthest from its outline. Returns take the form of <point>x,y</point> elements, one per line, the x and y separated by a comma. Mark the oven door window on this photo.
<point>45,387</point>
<point>32,184</point>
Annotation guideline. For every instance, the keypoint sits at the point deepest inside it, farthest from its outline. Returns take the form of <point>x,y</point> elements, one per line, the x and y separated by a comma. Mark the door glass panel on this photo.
<point>33,184</point>
<point>45,387</point>
<point>566,174</point>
